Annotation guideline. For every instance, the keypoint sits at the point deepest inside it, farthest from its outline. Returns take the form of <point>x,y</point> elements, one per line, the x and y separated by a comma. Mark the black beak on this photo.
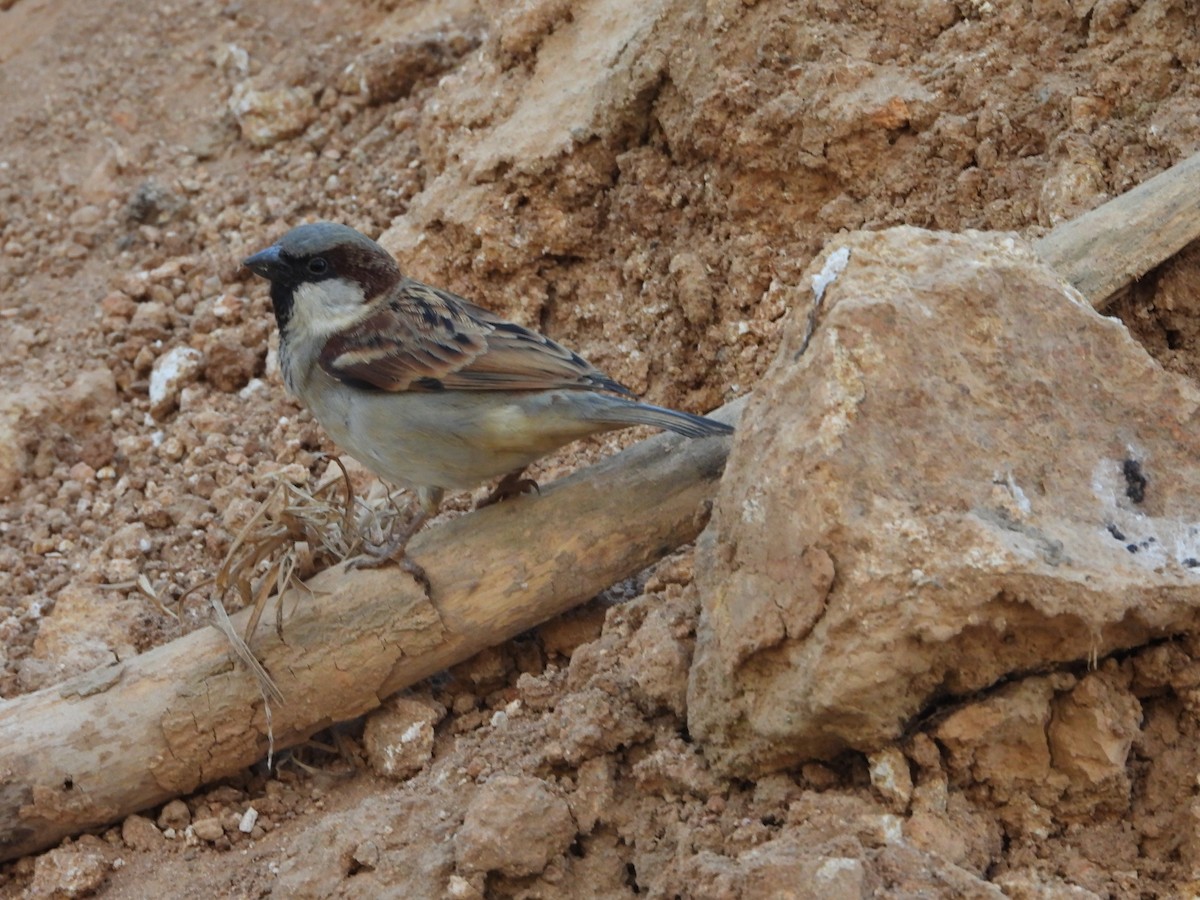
<point>267,263</point>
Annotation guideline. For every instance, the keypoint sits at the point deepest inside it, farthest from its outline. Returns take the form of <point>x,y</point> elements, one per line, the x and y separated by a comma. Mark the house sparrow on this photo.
<point>424,388</point>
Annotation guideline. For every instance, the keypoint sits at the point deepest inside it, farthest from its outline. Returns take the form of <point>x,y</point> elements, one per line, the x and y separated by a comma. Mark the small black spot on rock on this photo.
<point>1135,481</point>
<point>1191,562</point>
<point>1116,532</point>
<point>1132,548</point>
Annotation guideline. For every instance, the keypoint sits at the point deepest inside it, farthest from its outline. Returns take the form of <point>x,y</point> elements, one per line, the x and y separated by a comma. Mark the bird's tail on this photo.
<point>629,412</point>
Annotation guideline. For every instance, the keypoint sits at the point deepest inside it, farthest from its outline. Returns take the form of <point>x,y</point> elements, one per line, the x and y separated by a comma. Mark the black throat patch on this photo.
<point>282,300</point>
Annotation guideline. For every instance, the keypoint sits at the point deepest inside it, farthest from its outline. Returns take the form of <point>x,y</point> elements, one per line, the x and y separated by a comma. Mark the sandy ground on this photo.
<point>138,166</point>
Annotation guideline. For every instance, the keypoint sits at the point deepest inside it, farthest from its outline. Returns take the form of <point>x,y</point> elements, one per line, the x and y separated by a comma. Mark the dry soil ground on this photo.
<point>138,165</point>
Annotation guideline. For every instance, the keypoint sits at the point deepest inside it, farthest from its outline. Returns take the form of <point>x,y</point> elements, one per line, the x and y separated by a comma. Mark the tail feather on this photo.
<point>629,412</point>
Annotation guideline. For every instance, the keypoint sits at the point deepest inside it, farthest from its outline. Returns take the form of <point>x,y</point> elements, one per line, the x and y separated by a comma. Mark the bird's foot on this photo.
<point>372,561</point>
<point>394,549</point>
<point>511,485</point>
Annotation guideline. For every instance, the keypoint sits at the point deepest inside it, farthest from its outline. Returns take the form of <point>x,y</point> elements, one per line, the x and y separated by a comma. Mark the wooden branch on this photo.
<point>1106,249</point>
<point>120,739</point>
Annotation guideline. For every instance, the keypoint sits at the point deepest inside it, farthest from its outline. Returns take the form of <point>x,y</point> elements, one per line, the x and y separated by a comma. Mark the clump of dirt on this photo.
<point>656,217</point>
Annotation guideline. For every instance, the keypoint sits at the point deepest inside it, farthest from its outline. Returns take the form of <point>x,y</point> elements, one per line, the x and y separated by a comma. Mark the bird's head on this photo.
<point>323,276</point>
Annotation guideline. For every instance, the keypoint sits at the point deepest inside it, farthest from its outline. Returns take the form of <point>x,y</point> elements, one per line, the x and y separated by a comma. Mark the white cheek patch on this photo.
<point>327,306</point>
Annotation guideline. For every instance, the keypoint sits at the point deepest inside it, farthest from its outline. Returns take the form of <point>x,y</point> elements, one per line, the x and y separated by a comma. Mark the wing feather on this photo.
<point>425,339</point>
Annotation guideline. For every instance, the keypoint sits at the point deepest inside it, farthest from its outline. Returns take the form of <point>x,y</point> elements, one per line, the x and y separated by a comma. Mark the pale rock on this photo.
<point>229,307</point>
<point>231,58</point>
<point>783,867</point>
<point>398,737</point>
<point>595,787</point>
<point>406,835</point>
<point>83,408</point>
<point>171,269</point>
<point>765,868</point>
<point>673,770</point>
<point>127,542</point>
<point>1032,884</point>
<point>366,855</point>
<point>590,721</point>
<point>514,825</point>
<point>228,363</point>
<point>139,833</point>
<point>388,72</point>
<point>268,117</point>
<point>208,829</point>
<point>172,371</point>
<point>117,305</point>
<point>1075,184</point>
<point>248,820</point>
<point>20,339</point>
<point>891,777</point>
<point>459,888</point>
<point>87,627</point>
<point>1001,741</point>
<point>1093,728</point>
<point>175,814</point>
<point>82,472</point>
<point>966,473</point>
<point>693,287</point>
<point>91,398</point>
<point>881,98</point>
<point>658,663</point>
<point>72,870</point>
<point>1041,748</point>
<point>838,846</point>
<point>941,836</point>
<point>152,319</point>
<point>86,215</point>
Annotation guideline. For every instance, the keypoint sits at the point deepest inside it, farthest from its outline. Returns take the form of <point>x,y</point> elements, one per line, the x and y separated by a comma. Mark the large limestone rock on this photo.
<point>966,473</point>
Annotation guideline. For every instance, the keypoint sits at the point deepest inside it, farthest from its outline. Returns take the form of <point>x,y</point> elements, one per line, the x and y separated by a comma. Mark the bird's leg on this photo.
<point>511,485</point>
<point>395,547</point>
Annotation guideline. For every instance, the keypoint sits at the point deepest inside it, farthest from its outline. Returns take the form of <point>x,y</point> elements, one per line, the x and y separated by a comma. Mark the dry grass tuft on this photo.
<point>295,533</point>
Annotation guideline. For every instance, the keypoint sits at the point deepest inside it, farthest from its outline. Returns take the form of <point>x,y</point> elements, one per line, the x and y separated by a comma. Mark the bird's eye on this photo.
<point>318,265</point>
